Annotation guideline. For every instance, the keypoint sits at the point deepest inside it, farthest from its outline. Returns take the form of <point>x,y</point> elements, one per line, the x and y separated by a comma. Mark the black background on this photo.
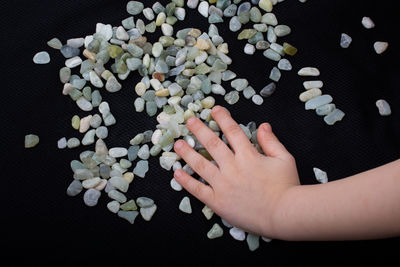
<point>42,224</point>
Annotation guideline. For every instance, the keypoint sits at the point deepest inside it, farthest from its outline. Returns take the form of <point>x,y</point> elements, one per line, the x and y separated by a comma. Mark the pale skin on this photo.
<point>262,194</point>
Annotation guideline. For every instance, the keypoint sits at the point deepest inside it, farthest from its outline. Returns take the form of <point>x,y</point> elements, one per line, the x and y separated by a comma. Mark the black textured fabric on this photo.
<point>42,224</point>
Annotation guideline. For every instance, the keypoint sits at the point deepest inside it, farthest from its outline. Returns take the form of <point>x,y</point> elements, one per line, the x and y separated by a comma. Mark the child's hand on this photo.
<point>246,186</point>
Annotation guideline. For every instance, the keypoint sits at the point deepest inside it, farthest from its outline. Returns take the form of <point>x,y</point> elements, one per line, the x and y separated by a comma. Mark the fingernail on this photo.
<point>267,127</point>
<point>178,174</point>
<point>217,108</point>
<point>178,144</point>
<point>191,120</point>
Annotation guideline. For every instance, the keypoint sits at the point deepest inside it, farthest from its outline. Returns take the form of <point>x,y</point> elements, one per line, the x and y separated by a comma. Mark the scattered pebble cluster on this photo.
<point>180,73</point>
<point>314,100</point>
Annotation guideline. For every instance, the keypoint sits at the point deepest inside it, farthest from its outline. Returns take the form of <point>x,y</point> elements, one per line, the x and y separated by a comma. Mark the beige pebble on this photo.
<point>89,55</point>
<point>101,185</point>
<point>128,176</point>
<point>310,94</point>
<point>162,92</point>
<point>223,48</point>
<point>202,44</point>
<point>85,124</point>
<point>140,89</point>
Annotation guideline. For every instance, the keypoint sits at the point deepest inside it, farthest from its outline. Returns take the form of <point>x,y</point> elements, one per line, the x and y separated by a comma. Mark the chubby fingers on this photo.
<point>197,162</point>
<point>269,143</point>
<point>236,137</point>
<point>202,192</point>
<point>214,145</point>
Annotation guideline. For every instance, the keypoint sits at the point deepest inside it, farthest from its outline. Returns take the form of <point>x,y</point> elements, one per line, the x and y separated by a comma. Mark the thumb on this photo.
<point>269,142</point>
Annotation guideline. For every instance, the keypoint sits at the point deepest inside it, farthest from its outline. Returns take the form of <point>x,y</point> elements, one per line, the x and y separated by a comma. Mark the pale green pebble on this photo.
<point>215,232</point>
<point>244,17</point>
<point>130,216</point>
<point>171,20</point>
<point>132,152</point>
<point>88,139</point>
<point>222,4</point>
<point>130,205</point>
<point>151,27</point>
<point>179,3</point>
<point>128,23</point>
<point>151,108</point>
<point>96,98</point>
<point>144,202</point>
<point>55,43</point>
<point>260,27</point>
<point>255,15</point>
<point>166,41</point>
<point>138,139</point>
<point>41,58</point>
<point>249,92</point>
<point>109,119</point>
<point>75,122</point>
<point>134,7</point>
<point>155,150</point>
<point>246,34</point>
<point>232,97</point>
<point>214,18</point>
<point>139,104</point>
<point>87,93</point>
<point>275,74</point>
<point>253,241</point>
<point>75,94</point>
<point>256,38</point>
<point>158,7</point>
<point>77,165</point>
<point>73,142</point>
<point>325,109</point>
<point>272,55</point>
<point>31,140</point>
<point>161,17</point>
<point>65,74</point>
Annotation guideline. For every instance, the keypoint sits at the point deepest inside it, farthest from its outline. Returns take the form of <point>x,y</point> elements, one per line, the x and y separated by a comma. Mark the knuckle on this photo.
<point>199,165</point>
<point>197,190</point>
<point>233,130</point>
<point>213,142</point>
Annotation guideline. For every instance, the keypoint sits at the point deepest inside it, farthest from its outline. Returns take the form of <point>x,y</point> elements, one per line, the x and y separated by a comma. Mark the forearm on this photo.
<point>363,206</point>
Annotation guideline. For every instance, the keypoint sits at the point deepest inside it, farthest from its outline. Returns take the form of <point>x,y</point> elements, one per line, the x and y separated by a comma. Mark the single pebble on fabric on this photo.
<point>383,107</point>
<point>309,71</point>
<point>31,140</point>
<point>41,58</point>
<point>215,232</point>
<point>367,23</point>
<point>345,40</point>
<point>380,47</point>
<point>320,175</point>
<point>185,206</point>
<point>91,197</point>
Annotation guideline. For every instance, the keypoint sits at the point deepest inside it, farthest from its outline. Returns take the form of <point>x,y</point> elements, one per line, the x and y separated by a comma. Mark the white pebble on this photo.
<point>380,47</point>
<point>313,84</point>
<point>249,49</point>
<point>320,175</point>
<point>237,234</point>
<point>308,71</point>
<point>367,23</point>
<point>73,62</point>
<point>203,8</point>
<point>62,143</point>
<point>175,185</point>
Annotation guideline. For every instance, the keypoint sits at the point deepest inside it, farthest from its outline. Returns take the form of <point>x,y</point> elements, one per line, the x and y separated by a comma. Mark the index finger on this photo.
<point>214,145</point>
<point>236,137</point>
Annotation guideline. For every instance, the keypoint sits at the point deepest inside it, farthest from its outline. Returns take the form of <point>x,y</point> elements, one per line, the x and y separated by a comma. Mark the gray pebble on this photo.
<point>383,107</point>
<point>74,188</point>
<point>130,216</point>
<point>91,197</point>
<point>102,132</point>
<point>268,90</point>
<point>142,167</point>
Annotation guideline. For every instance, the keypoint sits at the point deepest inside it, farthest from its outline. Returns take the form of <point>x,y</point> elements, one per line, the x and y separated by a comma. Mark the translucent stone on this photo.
<point>320,175</point>
<point>175,185</point>
<point>55,43</point>
<point>282,30</point>
<point>270,19</point>
<point>268,90</point>
<point>128,23</point>
<point>74,188</point>
<point>139,104</point>
<point>383,107</point>
<point>113,206</point>
<point>144,202</point>
<point>345,40</point>
<point>257,99</point>
<point>141,168</point>
<point>130,216</point>
<point>134,7</point>
<point>91,183</point>
<point>380,47</point>
<point>284,64</point>
<point>234,24</point>
<point>31,140</point>
<point>232,97</point>
<point>91,197</point>
<point>118,196</point>
<point>203,8</point>
<point>253,241</point>
<point>275,74</point>
<point>147,213</point>
<point>88,139</point>
<point>367,23</point>
<point>272,55</point>
<point>207,212</point>
<point>144,152</point>
<point>215,232</point>
<point>119,183</point>
<point>192,3</point>
<point>333,117</point>
<point>310,94</point>
<point>41,58</point>
<point>73,62</point>
<point>73,142</point>
<point>308,71</point>
<point>62,143</point>
<point>118,152</point>
<point>69,52</point>
<point>271,36</point>
<point>325,109</point>
<point>230,11</point>
<point>249,92</point>
<point>237,234</point>
<point>266,5</point>
<point>239,84</point>
<point>318,101</point>
<point>313,84</point>
<point>249,49</point>
<point>185,206</point>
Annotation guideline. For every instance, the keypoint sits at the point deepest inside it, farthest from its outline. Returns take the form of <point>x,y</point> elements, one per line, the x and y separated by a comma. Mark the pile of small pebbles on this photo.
<point>315,100</point>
